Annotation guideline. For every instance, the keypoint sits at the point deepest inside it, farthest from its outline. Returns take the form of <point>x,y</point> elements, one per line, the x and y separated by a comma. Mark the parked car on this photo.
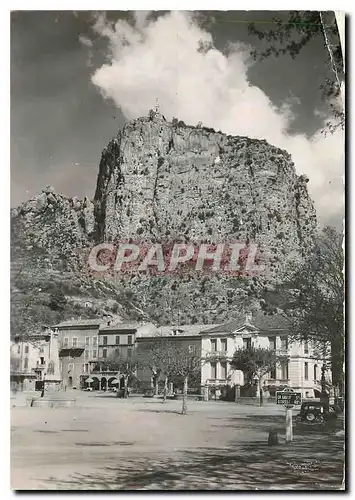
<point>316,412</point>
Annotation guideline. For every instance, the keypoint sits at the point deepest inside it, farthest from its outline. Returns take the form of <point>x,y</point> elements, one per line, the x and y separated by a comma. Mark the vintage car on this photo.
<point>316,412</point>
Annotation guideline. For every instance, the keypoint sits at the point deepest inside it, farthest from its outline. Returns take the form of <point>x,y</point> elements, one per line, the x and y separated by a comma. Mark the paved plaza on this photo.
<point>105,443</point>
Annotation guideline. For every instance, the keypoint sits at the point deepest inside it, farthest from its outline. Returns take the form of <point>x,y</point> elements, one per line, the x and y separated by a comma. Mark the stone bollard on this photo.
<point>273,438</point>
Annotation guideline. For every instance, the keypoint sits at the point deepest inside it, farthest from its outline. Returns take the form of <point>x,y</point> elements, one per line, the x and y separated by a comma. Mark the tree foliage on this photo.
<point>312,297</point>
<point>292,36</point>
<point>126,366</point>
<point>160,357</point>
<point>254,362</point>
<point>57,300</point>
<point>176,361</point>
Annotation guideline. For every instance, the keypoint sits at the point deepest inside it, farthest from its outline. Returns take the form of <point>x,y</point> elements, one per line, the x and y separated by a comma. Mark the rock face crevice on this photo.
<point>166,182</point>
<point>201,185</point>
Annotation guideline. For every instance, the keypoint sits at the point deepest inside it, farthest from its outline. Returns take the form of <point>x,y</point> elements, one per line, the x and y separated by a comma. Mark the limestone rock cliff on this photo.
<point>159,182</point>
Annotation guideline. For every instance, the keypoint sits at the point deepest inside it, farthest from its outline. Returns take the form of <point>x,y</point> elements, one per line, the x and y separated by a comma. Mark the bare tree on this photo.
<point>186,364</point>
<point>175,361</point>
<point>126,365</point>
<point>160,356</point>
<point>311,296</point>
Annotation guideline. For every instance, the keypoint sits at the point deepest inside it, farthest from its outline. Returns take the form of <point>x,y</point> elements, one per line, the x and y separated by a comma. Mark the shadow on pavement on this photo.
<point>148,410</point>
<point>308,463</point>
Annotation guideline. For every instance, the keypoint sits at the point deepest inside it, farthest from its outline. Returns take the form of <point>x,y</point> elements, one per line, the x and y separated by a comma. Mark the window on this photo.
<point>214,345</point>
<point>192,348</point>
<point>246,343</point>
<point>94,341</point>
<point>129,353</point>
<point>42,360</point>
<point>273,373</point>
<point>66,342</point>
<point>129,339</point>
<point>26,349</point>
<point>117,339</point>
<point>284,343</point>
<point>315,369</point>
<point>94,353</point>
<point>272,343</point>
<point>18,349</point>
<point>87,340</point>
<point>213,370</point>
<point>104,352</point>
<point>176,331</point>
<point>224,370</point>
<point>284,371</point>
<point>25,364</point>
<point>75,342</point>
<point>87,354</point>
<point>86,368</point>
<point>117,351</point>
<point>306,347</point>
<point>223,345</point>
<point>104,340</point>
<point>306,371</point>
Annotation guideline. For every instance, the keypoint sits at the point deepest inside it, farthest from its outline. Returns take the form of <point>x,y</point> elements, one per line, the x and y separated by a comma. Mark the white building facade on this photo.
<point>33,360</point>
<point>298,366</point>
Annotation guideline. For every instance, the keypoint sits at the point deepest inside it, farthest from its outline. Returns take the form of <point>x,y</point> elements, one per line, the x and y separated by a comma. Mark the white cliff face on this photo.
<point>168,182</point>
<point>162,181</point>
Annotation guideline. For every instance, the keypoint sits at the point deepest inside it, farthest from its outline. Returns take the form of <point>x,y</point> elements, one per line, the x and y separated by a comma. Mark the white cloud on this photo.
<point>163,59</point>
<point>85,41</point>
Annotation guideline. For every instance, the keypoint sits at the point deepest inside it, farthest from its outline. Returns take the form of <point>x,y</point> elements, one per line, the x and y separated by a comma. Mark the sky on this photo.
<point>77,77</point>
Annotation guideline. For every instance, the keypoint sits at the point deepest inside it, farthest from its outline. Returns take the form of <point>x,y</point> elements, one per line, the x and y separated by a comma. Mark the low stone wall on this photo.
<point>255,400</point>
<point>50,403</point>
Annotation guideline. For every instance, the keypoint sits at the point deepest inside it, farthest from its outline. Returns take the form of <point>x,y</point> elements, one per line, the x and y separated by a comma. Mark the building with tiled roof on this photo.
<point>298,364</point>
<point>96,322</point>
<point>84,342</point>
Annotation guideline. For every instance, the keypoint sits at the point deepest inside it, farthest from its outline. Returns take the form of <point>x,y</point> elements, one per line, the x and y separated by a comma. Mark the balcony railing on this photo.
<point>216,354</point>
<point>104,371</point>
<point>217,381</point>
<point>40,366</point>
<point>91,359</point>
<point>78,345</point>
<point>283,352</point>
<point>276,381</point>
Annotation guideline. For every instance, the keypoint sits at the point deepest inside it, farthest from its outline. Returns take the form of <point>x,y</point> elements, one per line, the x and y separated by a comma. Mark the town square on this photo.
<point>177,277</point>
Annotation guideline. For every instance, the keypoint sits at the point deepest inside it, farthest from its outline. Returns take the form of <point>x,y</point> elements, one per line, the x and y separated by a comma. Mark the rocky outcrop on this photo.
<point>161,181</point>
<point>166,182</point>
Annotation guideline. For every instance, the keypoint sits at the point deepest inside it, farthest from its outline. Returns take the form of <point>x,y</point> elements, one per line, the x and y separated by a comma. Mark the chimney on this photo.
<point>248,318</point>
